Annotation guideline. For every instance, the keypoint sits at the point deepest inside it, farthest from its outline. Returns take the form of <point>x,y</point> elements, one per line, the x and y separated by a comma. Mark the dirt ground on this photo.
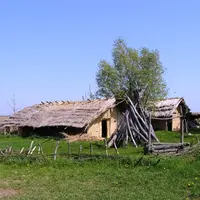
<point>7,192</point>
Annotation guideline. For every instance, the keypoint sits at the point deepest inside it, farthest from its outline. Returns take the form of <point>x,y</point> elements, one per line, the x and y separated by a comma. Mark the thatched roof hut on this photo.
<point>166,113</point>
<point>167,107</point>
<point>79,115</point>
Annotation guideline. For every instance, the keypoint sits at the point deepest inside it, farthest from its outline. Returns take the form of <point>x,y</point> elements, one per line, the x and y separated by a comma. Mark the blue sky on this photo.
<point>49,50</point>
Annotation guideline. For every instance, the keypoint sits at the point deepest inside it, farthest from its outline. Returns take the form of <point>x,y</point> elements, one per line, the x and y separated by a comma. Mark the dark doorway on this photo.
<point>104,128</point>
<point>169,125</point>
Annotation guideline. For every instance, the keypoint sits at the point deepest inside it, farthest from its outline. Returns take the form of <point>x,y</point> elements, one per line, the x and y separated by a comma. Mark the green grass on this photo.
<point>118,177</point>
<point>168,136</point>
<point>105,179</point>
<point>49,145</point>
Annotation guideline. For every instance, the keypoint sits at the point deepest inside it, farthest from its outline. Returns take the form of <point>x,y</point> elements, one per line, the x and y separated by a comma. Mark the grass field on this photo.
<point>155,177</point>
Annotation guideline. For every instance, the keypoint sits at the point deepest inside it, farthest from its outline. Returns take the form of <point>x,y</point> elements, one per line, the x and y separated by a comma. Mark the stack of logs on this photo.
<point>135,126</point>
<point>169,148</point>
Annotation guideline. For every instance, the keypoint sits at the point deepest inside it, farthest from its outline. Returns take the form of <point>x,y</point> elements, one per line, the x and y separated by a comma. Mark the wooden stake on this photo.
<point>33,149</point>
<point>56,149</point>
<point>21,151</point>
<point>40,149</point>
<point>116,150</point>
<point>186,126</point>
<point>106,147</point>
<point>80,149</point>
<point>10,150</point>
<point>30,147</point>
<point>91,150</point>
<point>68,147</point>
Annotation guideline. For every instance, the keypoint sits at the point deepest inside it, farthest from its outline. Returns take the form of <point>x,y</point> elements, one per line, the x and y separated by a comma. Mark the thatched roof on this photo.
<point>165,108</point>
<point>76,114</point>
<point>195,114</point>
<point>2,119</point>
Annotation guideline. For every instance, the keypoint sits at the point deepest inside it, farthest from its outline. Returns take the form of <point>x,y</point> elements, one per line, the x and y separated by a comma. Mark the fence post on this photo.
<point>40,149</point>
<point>91,148</point>
<point>106,147</point>
<point>116,150</point>
<point>68,147</point>
<point>182,125</point>
<point>80,149</point>
<point>56,149</point>
<point>21,151</point>
<point>30,147</point>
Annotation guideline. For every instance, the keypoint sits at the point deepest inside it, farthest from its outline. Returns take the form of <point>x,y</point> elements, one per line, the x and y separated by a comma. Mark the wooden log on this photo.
<point>137,114</point>
<point>185,144</point>
<point>186,126</point>
<point>126,139</point>
<point>129,130</point>
<point>2,153</point>
<point>168,147</point>
<point>10,150</point>
<point>149,138</point>
<point>137,123</point>
<point>165,151</point>
<point>111,140</point>
<point>30,147</point>
<point>21,151</point>
<point>142,136</point>
<point>33,149</point>
<point>153,134</point>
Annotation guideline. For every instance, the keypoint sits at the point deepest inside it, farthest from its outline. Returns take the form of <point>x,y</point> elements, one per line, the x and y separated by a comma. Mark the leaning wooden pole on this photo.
<point>149,135</point>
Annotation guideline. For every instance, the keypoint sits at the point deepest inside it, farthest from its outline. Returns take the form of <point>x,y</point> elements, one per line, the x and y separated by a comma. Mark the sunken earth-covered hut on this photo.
<point>96,118</point>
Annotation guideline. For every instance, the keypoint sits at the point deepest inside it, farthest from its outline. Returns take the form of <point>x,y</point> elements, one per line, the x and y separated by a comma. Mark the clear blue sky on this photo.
<point>49,50</point>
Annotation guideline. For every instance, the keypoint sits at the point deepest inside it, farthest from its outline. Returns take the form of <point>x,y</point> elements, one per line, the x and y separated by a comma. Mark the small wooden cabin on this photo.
<point>167,113</point>
<point>96,118</point>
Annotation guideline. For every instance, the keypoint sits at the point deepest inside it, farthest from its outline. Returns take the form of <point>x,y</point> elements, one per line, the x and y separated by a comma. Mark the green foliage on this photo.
<point>131,69</point>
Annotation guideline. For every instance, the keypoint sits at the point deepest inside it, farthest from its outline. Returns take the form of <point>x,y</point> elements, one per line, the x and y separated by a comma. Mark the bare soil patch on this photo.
<point>7,192</point>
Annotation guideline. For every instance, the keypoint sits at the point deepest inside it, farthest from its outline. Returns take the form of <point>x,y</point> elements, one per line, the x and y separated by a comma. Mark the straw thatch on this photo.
<point>2,119</point>
<point>166,108</point>
<point>77,114</point>
<point>195,115</point>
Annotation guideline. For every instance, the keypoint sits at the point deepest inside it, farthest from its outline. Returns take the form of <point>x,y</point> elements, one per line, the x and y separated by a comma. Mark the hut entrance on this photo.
<point>169,125</point>
<point>104,128</point>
